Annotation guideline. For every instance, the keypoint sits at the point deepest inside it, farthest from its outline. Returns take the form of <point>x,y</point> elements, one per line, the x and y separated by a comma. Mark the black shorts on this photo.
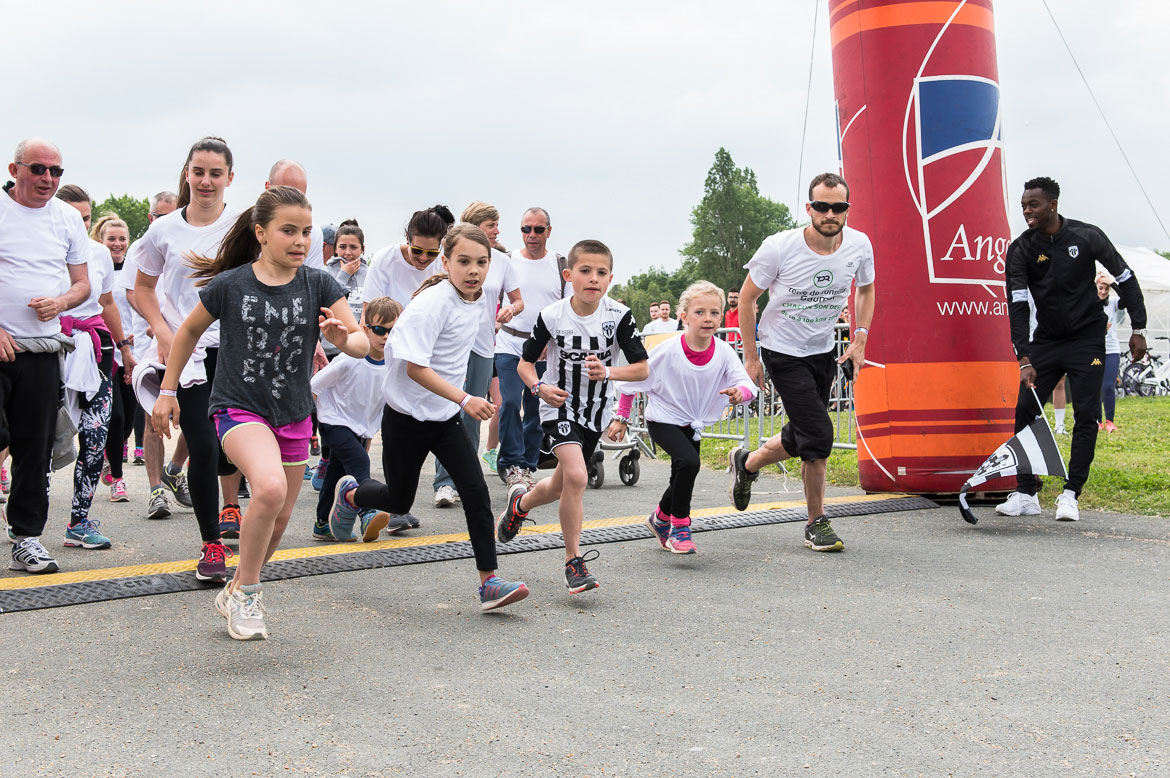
<point>804,385</point>
<point>557,433</point>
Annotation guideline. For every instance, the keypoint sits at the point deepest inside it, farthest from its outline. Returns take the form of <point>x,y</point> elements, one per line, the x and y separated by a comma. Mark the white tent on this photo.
<point>1153,274</point>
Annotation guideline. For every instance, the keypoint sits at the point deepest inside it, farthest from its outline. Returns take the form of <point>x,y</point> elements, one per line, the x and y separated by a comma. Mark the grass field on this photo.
<point>1131,471</point>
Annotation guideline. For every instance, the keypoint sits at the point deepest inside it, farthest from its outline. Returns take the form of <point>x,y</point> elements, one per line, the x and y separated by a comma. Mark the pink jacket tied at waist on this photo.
<point>93,325</point>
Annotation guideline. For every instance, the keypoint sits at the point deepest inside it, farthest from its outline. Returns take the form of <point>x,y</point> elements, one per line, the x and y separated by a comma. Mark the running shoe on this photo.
<point>400,522</point>
<point>679,540</point>
<point>125,452</point>
<point>1066,507</point>
<point>321,532</point>
<point>157,507</point>
<point>314,446</point>
<point>372,522</point>
<point>1060,430</point>
<point>740,489</point>
<point>213,562</point>
<point>29,555</point>
<point>5,483</point>
<point>445,497</point>
<point>819,536</point>
<point>515,475</point>
<point>139,457</point>
<point>177,483</point>
<point>490,456</point>
<point>343,515</point>
<point>229,521</point>
<point>511,519</point>
<point>118,491</point>
<point>85,534</point>
<point>318,479</point>
<point>1110,426</point>
<point>244,492</point>
<point>577,576</point>
<point>8,533</point>
<point>1019,504</point>
<point>530,478</point>
<point>244,612</point>
<point>308,472</point>
<point>495,592</point>
<point>661,529</point>
<point>107,476</point>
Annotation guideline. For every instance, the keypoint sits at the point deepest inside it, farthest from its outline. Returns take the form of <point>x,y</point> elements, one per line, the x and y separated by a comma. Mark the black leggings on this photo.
<point>139,425</point>
<point>207,460</point>
<point>680,443</point>
<point>121,420</point>
<point>406,441</point>
<point>349,458</point>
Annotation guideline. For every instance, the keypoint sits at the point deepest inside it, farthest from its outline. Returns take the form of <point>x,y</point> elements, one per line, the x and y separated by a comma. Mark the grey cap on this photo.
<point>329,234</point>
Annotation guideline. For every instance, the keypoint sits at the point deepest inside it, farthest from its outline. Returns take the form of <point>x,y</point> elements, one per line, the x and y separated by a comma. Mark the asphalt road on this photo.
<point>929,647</point>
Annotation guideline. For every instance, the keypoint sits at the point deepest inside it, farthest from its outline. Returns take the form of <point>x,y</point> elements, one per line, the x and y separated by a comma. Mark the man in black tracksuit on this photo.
<point>1055,261</point>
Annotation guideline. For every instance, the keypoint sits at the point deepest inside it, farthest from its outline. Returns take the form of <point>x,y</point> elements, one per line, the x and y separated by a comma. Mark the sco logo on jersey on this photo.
<point>609,328</point>
<point>564,428</point>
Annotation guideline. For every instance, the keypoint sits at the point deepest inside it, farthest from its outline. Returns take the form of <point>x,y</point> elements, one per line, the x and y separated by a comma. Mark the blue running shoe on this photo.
<point>84,534</point>
<point>373,522</point>
<point>321,532</point>
<point>308,471</point>
<point>343,516</point>
<point>495,592</point>
<point>318,479</point>
<point>661,529</point>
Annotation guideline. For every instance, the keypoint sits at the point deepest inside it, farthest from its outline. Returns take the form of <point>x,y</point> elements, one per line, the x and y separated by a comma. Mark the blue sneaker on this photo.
<point>495,592</point>
<point>84,534</point>
<point>321,532</point>
<point>661,529</point>
<point>373,522</point>
<point>308,471</point>
<point>318,479</point>
<point>342,517</point>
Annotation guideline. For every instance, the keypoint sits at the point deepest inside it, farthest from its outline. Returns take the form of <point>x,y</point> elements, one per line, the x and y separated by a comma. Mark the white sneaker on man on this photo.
<point>445,497</point>
<point>1019,504</point>
<point>1066,506</point>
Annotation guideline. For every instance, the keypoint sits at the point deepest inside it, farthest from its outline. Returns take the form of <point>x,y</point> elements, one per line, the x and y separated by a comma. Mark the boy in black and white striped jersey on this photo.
<point>583,335</point>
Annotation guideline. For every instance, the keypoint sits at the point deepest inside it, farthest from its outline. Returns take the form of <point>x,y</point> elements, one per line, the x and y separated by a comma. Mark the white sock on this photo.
<point>1059,416</point>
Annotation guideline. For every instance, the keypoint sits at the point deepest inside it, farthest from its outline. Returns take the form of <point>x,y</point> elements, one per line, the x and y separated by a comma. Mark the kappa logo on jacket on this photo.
<point>1095,363</point>
<point>1042,258</point>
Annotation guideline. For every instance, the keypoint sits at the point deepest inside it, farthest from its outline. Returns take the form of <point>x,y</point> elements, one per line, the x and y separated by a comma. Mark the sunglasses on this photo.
<point>538,230</point>
<point>431,253</point>
<point>37,169</point>
<point>820,206</point>
<point>378,329</point>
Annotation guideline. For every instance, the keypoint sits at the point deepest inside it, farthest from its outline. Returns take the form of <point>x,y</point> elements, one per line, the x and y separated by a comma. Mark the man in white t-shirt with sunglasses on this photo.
<point>808,274</point>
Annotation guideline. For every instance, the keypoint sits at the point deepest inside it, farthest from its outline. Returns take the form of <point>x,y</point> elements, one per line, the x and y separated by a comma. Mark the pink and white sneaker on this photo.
<point>118,491</point>
<point>107,477</point>
<point>679,541</point>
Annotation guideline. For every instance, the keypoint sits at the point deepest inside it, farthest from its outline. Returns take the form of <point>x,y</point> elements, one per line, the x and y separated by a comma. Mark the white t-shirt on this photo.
<point>101,281</point>
<point>1116,316</point>
<point>539,282</point>
<point>316,257</point>
<point>501,279</point>
<point>161,252</point>
<point>685,394</point>
<point>36,244</point>
<point>138,325</point>
<point>349,394</point>
<point>435,331</point>
<point>807,291</point>
<point>660,325</point>
<point>392,276</point>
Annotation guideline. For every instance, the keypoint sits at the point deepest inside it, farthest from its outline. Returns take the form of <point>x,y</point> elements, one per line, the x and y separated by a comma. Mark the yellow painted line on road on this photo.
<point>333,549</point>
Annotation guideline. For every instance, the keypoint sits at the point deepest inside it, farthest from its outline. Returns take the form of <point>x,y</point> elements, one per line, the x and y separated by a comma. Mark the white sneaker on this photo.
<point>445,497</point>
<point>1018,504</point>
<point>1066,507</point>
<point>1060,430</point>
<point>244,613</point>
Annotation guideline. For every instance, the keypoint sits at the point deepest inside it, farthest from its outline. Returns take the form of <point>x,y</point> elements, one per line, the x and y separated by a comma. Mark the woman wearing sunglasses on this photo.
<point>398,271</point>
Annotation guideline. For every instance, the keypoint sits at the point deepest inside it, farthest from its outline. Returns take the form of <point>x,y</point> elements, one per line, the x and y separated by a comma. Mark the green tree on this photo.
<point>1166,254</point>
<point>653,286</point>
<point>136,213</point>
<point>730,224</point>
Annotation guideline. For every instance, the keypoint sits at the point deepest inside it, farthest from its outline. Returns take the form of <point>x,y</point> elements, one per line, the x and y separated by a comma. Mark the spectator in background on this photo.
<point>731,320</point>
<point>286,172</point>
<point>44,256</point>
<point>1112,351</point>
<point>663,322</point>
<point>329,241</point>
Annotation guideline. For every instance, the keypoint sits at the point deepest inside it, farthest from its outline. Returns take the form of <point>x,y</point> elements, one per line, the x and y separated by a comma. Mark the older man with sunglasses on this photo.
<point>43,260</point>
<point>808,273</point>
<point>538,276</point>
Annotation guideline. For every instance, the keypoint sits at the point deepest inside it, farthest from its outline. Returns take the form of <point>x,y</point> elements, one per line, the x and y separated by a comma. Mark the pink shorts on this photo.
<point>292,439</point>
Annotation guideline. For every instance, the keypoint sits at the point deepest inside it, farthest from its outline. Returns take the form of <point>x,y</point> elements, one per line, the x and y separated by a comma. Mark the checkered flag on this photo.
<point>1031,451</point>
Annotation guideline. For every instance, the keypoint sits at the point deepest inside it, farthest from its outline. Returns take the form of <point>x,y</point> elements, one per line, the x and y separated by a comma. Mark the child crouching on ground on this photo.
<point>349,413</point>
<point>692,378</point>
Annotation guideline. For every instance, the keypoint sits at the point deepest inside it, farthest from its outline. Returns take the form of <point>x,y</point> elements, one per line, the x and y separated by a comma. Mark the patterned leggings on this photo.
<point>91,438</point>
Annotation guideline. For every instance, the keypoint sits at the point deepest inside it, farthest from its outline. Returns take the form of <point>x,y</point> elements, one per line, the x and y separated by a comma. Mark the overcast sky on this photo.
<point>606,113</point>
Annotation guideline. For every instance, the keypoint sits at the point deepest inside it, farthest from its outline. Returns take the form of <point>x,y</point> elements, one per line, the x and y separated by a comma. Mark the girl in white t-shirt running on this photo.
<point>271,310</point>
<point>427,356</point>
<point>163,255</point>
<point>692,379</point>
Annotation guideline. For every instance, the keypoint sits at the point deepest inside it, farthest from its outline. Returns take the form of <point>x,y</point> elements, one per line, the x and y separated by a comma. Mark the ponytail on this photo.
<point>434,280</point>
